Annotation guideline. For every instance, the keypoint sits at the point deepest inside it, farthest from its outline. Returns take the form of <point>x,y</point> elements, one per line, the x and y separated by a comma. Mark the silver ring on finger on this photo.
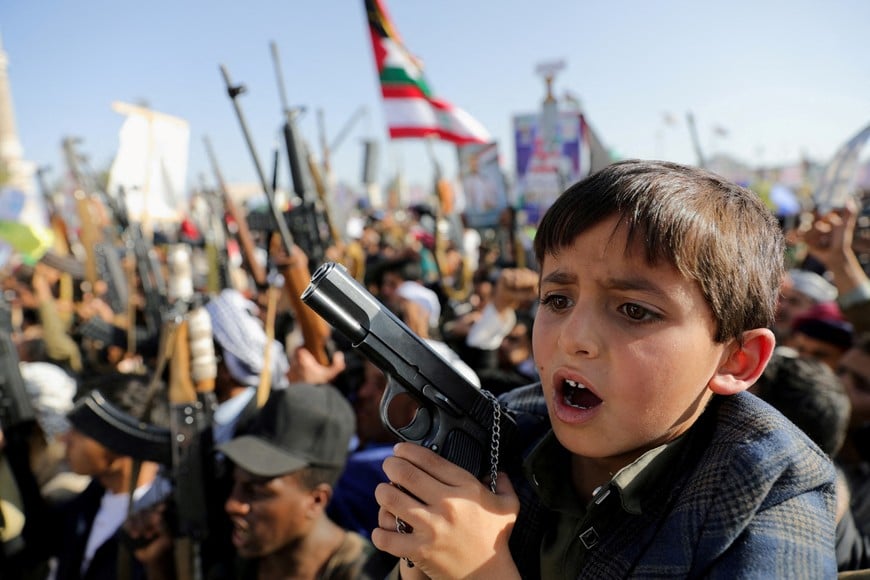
<point>404,527</point>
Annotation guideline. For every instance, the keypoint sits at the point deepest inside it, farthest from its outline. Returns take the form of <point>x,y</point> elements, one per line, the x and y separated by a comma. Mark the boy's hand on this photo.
<point>454,526</point>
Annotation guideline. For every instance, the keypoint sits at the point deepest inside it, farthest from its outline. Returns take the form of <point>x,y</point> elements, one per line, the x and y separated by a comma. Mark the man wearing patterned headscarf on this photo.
<point>240,346</point>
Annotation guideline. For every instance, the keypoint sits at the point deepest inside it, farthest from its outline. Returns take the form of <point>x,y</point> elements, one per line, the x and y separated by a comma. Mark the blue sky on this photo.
<point>784,78</point>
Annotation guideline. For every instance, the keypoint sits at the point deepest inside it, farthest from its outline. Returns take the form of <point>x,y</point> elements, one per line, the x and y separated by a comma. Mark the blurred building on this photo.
<point>14,170</point>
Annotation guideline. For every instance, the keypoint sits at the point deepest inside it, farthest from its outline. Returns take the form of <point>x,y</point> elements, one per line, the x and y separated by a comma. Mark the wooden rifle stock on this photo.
<point>264,388</point>
<point>61,240</point>
<point>89,235</point>
<point>243,233</point>
<point>181,387</point>
<point>315,330</point>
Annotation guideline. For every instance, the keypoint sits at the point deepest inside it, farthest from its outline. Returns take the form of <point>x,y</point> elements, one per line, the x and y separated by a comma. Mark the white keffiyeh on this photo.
<point>240,334</point>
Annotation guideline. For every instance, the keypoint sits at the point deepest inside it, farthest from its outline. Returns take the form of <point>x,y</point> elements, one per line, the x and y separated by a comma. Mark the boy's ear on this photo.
<point>742,365</point>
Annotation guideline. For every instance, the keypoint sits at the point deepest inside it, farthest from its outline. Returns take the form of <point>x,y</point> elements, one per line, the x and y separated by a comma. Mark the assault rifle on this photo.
<point>17,423</point>
<point>98,232</point>
<point>15,406</point>
<point>296,272</point>
<point>148,267</point>
<point>305,221</point>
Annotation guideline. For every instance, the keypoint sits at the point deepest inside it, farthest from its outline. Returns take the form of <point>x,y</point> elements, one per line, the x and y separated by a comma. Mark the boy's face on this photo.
<point>638,338</point>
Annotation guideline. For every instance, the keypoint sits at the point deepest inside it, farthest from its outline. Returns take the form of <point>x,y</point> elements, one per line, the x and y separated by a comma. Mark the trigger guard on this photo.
<point>418,427</point>
<point>416,430</point>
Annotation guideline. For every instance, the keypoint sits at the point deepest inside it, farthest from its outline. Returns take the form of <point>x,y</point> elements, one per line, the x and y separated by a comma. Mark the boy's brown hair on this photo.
<point>713,231</point>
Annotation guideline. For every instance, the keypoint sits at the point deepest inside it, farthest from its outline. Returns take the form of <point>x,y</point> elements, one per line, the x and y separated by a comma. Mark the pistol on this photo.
<point>455,419</point>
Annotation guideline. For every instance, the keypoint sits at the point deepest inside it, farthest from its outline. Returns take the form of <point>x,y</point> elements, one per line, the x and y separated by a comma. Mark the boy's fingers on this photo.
<point>393,535</point>
<point>396,501</point>
<point>399,545</point>
<point>412,481</point>
<point>386,520</point>
<point>426,460</point>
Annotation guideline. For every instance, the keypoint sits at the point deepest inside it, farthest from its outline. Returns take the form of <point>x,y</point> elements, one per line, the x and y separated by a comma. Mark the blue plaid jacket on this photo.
<point>755,499</point>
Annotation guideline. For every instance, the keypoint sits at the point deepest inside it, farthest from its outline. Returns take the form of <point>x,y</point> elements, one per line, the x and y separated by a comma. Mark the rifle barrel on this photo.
<point>234,91</point>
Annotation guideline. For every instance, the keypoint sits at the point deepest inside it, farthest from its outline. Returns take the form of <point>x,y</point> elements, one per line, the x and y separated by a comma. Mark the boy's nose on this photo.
<point>578,334</point>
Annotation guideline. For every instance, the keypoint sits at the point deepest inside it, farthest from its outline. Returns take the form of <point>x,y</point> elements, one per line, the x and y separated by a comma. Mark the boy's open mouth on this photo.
<point>576,395</point>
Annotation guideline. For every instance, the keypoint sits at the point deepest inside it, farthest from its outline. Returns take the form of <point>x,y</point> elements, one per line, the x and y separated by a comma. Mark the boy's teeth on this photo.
<point>577,395</point>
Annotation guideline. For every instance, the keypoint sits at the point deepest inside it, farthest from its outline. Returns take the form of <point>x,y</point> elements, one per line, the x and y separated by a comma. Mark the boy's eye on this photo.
<point>635,312</point>
<point>555,301</point>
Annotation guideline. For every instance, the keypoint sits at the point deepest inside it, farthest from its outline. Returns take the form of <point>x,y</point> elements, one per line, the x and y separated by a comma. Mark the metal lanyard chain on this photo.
<point>403,528</point>
<point>496,439</point>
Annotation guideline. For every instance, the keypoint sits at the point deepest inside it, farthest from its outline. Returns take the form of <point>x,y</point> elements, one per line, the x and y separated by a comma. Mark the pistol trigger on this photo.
<point>418,427</point>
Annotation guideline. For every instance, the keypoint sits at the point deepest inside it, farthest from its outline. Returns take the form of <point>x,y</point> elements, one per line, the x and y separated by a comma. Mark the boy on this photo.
<point>658,288</point>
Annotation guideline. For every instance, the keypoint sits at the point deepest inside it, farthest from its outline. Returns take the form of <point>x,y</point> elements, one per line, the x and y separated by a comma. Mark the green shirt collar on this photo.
<point>548,468</point>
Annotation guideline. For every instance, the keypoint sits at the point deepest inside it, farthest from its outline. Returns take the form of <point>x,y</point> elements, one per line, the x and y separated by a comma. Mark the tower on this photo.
<point>549,123</point>
<point>14,170</point>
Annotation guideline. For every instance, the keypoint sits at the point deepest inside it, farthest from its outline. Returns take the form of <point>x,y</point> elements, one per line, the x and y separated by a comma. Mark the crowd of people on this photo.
<point>687,404</point>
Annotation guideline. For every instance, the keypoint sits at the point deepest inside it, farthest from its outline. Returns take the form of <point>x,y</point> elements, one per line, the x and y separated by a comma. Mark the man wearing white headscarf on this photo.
<point>240,344</point>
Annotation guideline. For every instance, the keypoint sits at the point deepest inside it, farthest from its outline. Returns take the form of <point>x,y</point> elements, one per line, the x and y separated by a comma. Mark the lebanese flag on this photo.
<point>411,110</point>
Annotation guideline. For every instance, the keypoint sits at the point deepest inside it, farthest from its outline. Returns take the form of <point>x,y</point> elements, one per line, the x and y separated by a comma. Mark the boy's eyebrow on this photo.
<point>634,283</point>
<point>628,283</point>
<point>559,277</point>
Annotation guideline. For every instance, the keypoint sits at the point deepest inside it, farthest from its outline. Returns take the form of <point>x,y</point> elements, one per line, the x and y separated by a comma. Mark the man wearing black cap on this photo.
<point>284,469</point>
<point>88,539</point>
